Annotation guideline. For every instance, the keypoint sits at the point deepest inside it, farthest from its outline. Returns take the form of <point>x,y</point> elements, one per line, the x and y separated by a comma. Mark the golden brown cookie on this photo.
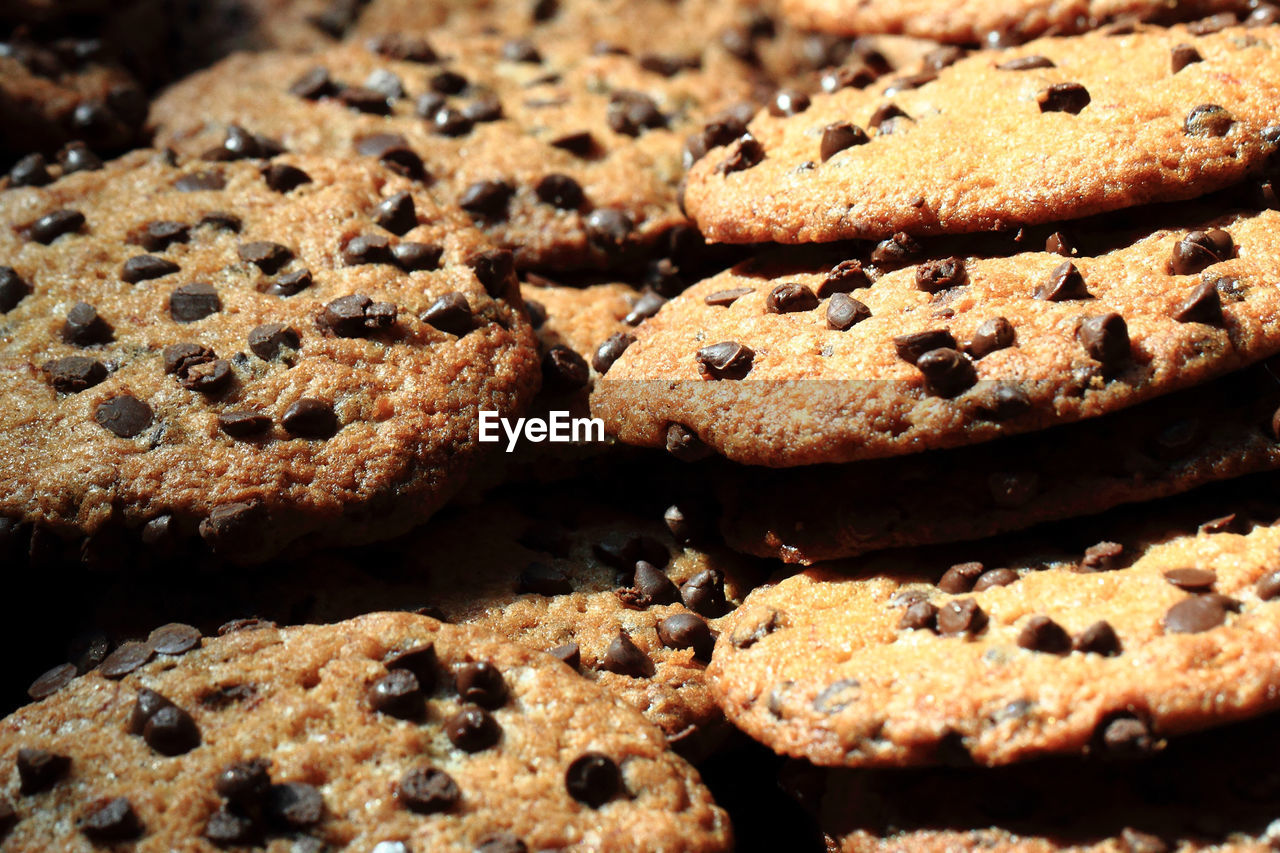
<point>1103,638</point>
<point>1053,130</point>
<point>274,353</point>
<point>390,732</point>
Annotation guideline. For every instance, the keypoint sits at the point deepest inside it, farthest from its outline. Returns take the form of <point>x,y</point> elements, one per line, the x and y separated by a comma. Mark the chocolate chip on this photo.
<point>609,229</point>
<point>208,377</point>
<point>226,827</point>
<point>1184,55</point>
<point>685,445</point>
<point>267,341</point>
<point>53,225</point>
<point>1065,282</point>
<point>266,256</point>
<point>911,347</point>
<point>1200,249</point>
<point>885,113</point>
<point>898,251</point>
<point>1042,634</point>
<point>1268,587</point>
<point>844,312</point>
<point>1126,735</point>
<point>1058,243</point>
<point>398,694</point>
<point>725,298</point>
<point>994,578</point>
<point>30,171</point>
<point>448,121</point>
<point>192,302</point>
<point>200,182</point>
<point>745,153</point>
<point>13,289</point>
<point>367,249</point>
<point>725,360</point>
<point>961,616</point>
<point>994,334</point>
<point>295,805</point>
<point>123,415</point>
<point>488,199</point>
<point>365,100</point>
<point>495,269</point>
<point>687,631</point>
<point>245,783</point>
<point>1105,337</point>
<point>844,277</point>
<point>1103,557</point>
<point>313,85</point>
<point>397,213</point>
<point>610,351</point>
<point>1027,63</point>
<point>76,157</point>
<point>1063,98</point>
<point>428,791</point>
<point>1099,638</point>
<point>1208,120</point>
<point>386,83</point>
<point>631,113</point>
<point>243,423</point>
<point>472,729</point>
<point>1198,613</point>
<point>789,102</point>
<point>704,594</point>
<point>357,315</point>
<point>284,178</point>
<point>53,680</point>
<point>563,370</point>
<point>74,374</point>
<point>580,143</point>
<point>1192,580</point>
<point>171,731</point>
<point>500,842</point>
<point>174,638</point>
<point>413,257</point>
<point>560,191</point>
<point>485,108</point>
<point>1204,305</point>
<point>480,683</point>
<point>310,418</point>
<point>624,657</point>
<point>933,276</point>
<point>593,778</point>
<point>450,313</point>
<point>1230,523</point>
<point>114,820</point>
<point>947,372</point>
<point>650,586</point>
<point>39,770</point>
<point>222,221</point>
<point>179,358</point>
<point>919,616</point>
<point>790,298</point>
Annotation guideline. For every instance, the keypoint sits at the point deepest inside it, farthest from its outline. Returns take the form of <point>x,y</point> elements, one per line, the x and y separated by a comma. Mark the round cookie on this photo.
<point>240,349</point>
<point>973,21</point>
<point>570,160</point>
<point>387,732</point>
<point>1218,431</point>
<point>1023,650</point>
<point>1057,129</point>
<point>836,355</point>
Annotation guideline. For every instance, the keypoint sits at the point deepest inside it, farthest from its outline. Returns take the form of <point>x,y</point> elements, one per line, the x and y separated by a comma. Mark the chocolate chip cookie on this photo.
<point>249,350</point>
<point>1218,431</point>
<point>858,351</point>
<point>570,160</point>
<point>391,732</point>
<point>1003,651</point>
<point>1053,130</point>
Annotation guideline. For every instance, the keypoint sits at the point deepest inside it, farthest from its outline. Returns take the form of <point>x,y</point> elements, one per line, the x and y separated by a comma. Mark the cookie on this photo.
<point>387,732</point>
<point>569,160</point>
<point>250,350</point>
<point>1000,652</point>
<point>1213,790</point>
<point>550,568</point>
<point>1054,130</point>
<point>974,21</point>
<point>1218,431</point>
<point>829,356</point>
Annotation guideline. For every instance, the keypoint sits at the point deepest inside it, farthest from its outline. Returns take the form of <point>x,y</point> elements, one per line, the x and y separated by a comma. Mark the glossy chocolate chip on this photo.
<point>179,358</point>
<point>357,315</point>
<point>743,154</point>
<point>420,660</point>
<point>13,289</point>
<point>450,313</point>
<point>647,305</point>
<point>428,790</point>
<point>1099,638</point>
<point>563,370</point>
<point>1203,305</point>
<point>610,351</point>
<point>1027,63</point>
<point>934,276</point>
<point>30,171</point>
<point>994,578</point>
<point>171,731</point>
<point>1192,580</point>
<point>1042,634</point>
<point>244,423</point>
<point>367,249</point>
<point>725,298</point>
<point>631,113</point>
<point>495,270</point>
<point>245,783</point>
<point>1063,98</point>
<point>398,694</point>
<point>220,220</point>
<point>725,360</point>
<point>1065,282</point>
<point>895,252</point>
<point>124,415</point>
<point>76,157</point>
<point>174,638</point>
<point>39,770</point>
<point>284,178</point>
<point>844,312</point>
<point>83,327</point>
<point>295,805</point>
<point>962,616</point>
<point>74,374</point>
<point>162,234</point>
<point>919,616</point>
<point>790,298</point>
<point>413,257</point>
<point>313,84</point>
<point>1268,586</point>
<point>624,657</point>
<point>993,335</point>
<point>488,199</point>
<point>649,586</point>
<point>1058,243</point>
<point>1103,557</point>
<point>1105,337</point>
<point>687,631</point>
<point>53,225</point>
<point>397,213</point>
<point>53,680</point>
<point>704,594</point>
<point>310,418</point>
<point>593,778</point>
<point>472,729</point>
<point>267,341</point>
<point>579,143</point>
<point>886,113</point>
<point>1183,55</point>
<point>480,683</point>
<point>947,372</point>
<point>1200,249</point>
<point>1198,613</point>
<point>265,255</point>
<point>609,229</point>
<point>560,191</point>
<point>192,302</point>
<point>111,821</point>
<point>1208,120</point>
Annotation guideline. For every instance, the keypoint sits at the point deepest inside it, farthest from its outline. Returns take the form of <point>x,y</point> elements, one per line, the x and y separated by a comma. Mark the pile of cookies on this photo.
<point>932,497</point>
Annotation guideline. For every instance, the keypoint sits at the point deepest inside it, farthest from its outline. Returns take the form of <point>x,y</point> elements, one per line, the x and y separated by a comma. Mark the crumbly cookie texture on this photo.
<point>1017,655</point>
<point>391,731</point>
<point>571,160</point>
<point>973,21</point>
<point>806,358</point>
<point>1055,129</point>
<point>241,349</point>
<point>1213,790</point>
<point>1219,431</point>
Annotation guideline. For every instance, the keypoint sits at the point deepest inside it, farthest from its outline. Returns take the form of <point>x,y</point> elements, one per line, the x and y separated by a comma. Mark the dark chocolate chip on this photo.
<point>365,100</point>
<point>745,153</point>
<point>208,377</point>
<point>725,360</point>
<point>1027,63</point>
<point>886,113</point>
<point>1103,557</point>
<point>427,790</point>
<point>179,358</point>
<point>420,660</point>
<point>367,249</point>
<point>31,171</point>
<point>947,372</point>
<point>1126,735</point>
<point>397,213</point>
<point>313,85</point>
<point>1105,337</point>
<point>610,351</point>
<point>704,594</point>
<point>647,305</point>
<point>898,251</point>
<point>53,225</point>
<point>919,616</point>
<point>933,276</point>
<point>74,374</point>
<point>485,108</point>
<point>1230,523</point>
<point>687,631</point>
<point>1192,580</point>
<point>284,178</point>
<point>685,445</point>
<point>495,269</point>
<point>1268,587</point>
<point>501,842</point>
<point>227,827</point>
<point>994,578</point>
<point>295,805</point>
<point>961,616</point>
<point>267,341</point>
<point>114,820</point>
<point>244,423</point>
<point>569,653</point>
<point>1204,305</point>
<point>357,315</point>
<point>593,778</point>
<point>994,334</point>
<point>1042,634</point>
<point>310,418</point>
<point>448,121</point>
<point>53,680</point>
<point>450,313</point>
<point>488,199</point>
<point>1063,98</point>
<point>1198,613</point>
<point>192,302</point>
<point>174,638</point>
<point>1200,249</point>
<point>844,312</point>
<point>789,299</point>
<point>911,347</point>
<point>245,783</point>
<point>39,770</point>
<point>398,694</point>
<point>472,729</point>
<point>1184,55</point>
<point>413,257</point>
<point>171,731</point>
<point>1065,282</point>
<point>76,157</point>
<point>609,229</point>
<point>1058,243</point>
<point>481,684</point>
<point>560,191</point>
<point>1208,120</point>
<point>563,370</point>
<point>123,415</point>
<point>1099,638</point>
<point>266,256</point>
<point>8,817</point>
<point>13,289</point>
<point>844,277</point>
<point>222,221</point>
<point>631,113</point>
<point>386,83</point>
<point>580,143</point>
<point>624,657</point>
<point>650,586</point>
<point>789,102</point>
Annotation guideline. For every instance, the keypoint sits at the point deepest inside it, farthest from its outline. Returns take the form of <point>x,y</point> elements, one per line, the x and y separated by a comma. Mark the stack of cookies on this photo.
<point>931,498</point>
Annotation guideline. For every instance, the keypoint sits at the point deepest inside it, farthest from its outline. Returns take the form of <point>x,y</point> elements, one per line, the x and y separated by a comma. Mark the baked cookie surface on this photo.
<point>391,731</point>
<point>243,350</point>
<point>1053,130</point>
<point>1030,650</point>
